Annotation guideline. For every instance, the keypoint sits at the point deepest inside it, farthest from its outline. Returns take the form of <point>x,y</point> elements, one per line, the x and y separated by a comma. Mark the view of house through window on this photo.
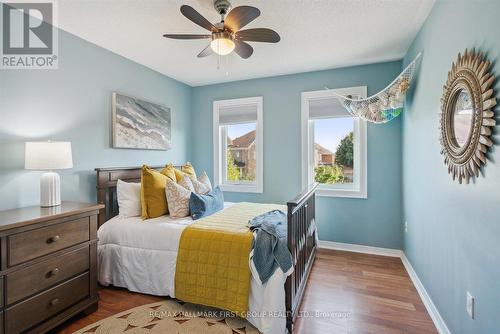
<point>334,150</point>
<point>241,152</point>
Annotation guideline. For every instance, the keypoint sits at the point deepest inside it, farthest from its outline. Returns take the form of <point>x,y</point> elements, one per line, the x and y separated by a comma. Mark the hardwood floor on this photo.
<point>346,293</point>
<point>372,294</point>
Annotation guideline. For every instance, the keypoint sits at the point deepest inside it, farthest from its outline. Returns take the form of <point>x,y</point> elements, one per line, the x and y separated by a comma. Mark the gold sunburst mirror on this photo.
<point>467,115</point>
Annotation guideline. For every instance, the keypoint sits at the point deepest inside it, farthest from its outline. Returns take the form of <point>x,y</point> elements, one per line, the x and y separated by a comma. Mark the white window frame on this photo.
<point>220,139</point>
<point>360,188</point>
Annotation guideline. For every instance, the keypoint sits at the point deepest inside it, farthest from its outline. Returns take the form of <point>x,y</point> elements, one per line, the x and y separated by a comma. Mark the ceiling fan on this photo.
<point>226,35</point>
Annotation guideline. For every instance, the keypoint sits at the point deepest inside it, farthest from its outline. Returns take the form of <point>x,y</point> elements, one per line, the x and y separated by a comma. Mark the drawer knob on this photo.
<point>54,301</point>
<point>53,239</point>
<point>53,272</point>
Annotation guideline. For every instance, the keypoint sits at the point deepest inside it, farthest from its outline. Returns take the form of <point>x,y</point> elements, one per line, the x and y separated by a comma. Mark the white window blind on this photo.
<point>238,114</point>
<point>327,108</point>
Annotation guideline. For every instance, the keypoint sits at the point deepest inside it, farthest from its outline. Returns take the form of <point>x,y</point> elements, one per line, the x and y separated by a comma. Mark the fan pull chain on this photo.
<point>218,57</point>
<point>226,72</point>
<point>226,66</point>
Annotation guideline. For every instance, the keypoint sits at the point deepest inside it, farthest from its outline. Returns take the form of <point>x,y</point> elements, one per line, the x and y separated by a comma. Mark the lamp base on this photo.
<point>50,189</point>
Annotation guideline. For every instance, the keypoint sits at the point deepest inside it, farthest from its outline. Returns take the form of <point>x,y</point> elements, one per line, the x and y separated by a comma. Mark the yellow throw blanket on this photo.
<point>212,263</point>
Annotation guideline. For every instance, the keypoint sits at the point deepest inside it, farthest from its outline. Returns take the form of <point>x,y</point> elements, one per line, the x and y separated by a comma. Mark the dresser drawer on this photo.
<point>41,307</point>
<point>33,279</point>
<point>31,244</point>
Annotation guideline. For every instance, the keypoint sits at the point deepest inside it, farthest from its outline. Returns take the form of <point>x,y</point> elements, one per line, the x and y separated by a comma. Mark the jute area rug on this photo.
<point>171,317</point>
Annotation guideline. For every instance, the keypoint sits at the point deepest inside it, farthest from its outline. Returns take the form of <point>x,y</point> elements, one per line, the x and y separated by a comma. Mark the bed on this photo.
<point>128,249</point>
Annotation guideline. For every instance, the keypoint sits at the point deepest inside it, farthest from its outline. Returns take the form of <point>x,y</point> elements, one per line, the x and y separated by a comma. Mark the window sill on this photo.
<point>344,193</point>
<point>242,188</point>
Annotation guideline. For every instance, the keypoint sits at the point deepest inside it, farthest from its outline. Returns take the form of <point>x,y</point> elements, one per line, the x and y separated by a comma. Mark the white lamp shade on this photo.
<point>48,155</point>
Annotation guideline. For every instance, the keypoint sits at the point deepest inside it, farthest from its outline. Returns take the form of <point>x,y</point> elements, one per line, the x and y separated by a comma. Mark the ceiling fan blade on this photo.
<point>206,52</point>
<point>197,18</point>
<point>240,17</point>
<point>258,35</point>
<point>243,49</point>
<point>186,36</point>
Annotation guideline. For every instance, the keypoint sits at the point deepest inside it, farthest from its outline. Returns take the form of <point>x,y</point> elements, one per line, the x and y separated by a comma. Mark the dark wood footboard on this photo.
<point>302,245</point>
<point>301,232</point>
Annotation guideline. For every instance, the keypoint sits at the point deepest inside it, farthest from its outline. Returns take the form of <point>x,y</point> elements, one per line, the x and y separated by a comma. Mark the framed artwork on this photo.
<point>139,124</point>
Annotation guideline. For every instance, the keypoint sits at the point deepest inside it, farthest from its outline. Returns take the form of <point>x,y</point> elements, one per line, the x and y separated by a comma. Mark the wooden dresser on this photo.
<point>48,265</point>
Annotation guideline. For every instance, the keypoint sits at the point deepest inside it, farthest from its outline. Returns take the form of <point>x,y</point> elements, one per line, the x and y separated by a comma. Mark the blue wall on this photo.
<point>73,103</point>
<point>453,238</point>
<point>375,221</point>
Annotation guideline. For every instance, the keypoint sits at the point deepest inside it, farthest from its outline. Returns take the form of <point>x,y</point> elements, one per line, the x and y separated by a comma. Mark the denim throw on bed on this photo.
<point>271,244</point>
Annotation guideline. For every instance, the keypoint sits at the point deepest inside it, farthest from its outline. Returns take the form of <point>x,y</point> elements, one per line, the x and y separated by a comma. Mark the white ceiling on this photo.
<point>315,34</point>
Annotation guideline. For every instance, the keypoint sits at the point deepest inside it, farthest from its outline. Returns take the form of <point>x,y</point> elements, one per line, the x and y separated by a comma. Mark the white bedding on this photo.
<point>141,256</point>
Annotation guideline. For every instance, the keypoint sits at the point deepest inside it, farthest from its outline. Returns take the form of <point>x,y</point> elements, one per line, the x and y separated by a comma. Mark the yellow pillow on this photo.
<point>169,171</point>
<point>153,198</point>
<point>187,169</point>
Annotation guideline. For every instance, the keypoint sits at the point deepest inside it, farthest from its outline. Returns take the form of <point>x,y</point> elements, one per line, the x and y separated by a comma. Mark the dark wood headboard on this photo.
<point>106,187</point>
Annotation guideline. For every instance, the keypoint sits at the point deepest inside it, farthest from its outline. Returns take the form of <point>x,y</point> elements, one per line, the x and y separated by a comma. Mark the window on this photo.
<point>238,139</point>
<point>333,144</point>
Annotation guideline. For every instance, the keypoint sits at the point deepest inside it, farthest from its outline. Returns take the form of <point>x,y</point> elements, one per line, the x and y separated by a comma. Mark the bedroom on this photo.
<point>389,242</point>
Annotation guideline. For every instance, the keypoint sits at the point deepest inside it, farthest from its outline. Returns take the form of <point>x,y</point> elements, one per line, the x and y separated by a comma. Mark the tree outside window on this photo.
<point>340,169</point>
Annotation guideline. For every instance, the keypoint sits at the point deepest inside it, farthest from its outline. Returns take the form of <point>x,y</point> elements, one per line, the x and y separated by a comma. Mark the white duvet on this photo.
<point>141,256</point>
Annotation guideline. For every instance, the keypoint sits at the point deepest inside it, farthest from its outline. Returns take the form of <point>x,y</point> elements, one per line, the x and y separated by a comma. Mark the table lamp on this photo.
<point>50,156</point>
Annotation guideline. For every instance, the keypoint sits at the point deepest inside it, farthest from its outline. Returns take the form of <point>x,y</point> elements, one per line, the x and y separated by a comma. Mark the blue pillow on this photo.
<point>205,205</point>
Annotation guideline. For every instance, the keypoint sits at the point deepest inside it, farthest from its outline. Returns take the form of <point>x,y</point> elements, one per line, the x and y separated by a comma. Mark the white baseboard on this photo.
<point>426,299</point>
<point>360,248</point>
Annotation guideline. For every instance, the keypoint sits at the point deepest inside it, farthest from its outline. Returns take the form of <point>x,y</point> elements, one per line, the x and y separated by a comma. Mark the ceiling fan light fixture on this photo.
<point>226,36</point>
<point>222,43</point>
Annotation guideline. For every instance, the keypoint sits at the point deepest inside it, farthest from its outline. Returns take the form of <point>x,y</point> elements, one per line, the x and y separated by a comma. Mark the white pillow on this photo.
<point>177,199</point>
<point>199,187</point>
<point>129,199</point>
<point>203,178</point>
